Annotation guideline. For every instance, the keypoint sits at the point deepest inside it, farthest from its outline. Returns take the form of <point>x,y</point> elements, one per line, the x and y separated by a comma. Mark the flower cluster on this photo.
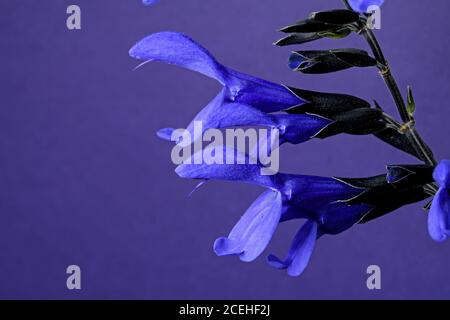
<point>327,205</point>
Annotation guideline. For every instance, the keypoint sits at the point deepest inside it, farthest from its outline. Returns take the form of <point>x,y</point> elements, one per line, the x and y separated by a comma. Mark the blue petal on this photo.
<point>245,172</point>
<point>332,217</point>
<point>150,2</point>
<point>442,174</point>
<point>292,128</point>
<point>305,193</point>
<point>255,229</point>
<point>438,217</point>
<point>363,5</point>
<point>299,128</point>
<point>311,192</point>
<point>178,49</point>
<point>264,95</point>
<point>165,133</point>
<point>337,217</point>
<point>300,252</point>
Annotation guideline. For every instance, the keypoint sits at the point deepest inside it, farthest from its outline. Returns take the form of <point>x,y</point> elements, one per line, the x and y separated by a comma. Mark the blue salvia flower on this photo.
<point>244,100</point>
<point>150,2</point>
<point>249,101</point>
<point>363,5</point>
<point>219,114</point>
<point>439,215</point>
<point>321,201</point>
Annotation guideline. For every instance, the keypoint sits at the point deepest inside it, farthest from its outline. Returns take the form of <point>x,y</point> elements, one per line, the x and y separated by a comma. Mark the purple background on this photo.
<point>84,180</point>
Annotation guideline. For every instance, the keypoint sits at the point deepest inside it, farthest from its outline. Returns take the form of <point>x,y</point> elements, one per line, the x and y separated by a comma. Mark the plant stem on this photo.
<point>422,149</point>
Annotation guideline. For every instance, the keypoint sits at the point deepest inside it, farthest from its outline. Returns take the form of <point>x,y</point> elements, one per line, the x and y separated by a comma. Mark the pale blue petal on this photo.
<point>438,216</point>
<point>300,252</point>
<point>255,229</point>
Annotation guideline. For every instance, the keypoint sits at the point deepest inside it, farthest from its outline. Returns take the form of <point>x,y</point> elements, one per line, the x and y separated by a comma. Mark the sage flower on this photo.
<point>439,215</point>
<point>249,101</point>
<point>149,2</point>
<point>363,5</point>
<point>329,205</point>
<point>288,197</point>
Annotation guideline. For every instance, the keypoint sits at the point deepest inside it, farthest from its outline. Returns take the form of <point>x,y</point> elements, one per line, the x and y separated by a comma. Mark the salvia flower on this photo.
<point>288,197</point>
<point>219,114</point>
<point>363,5</point>
<point>329,206</point>
<point>249,101</point>
<point>244,100</point>
<point>150,2</point>
<point>439,215</point>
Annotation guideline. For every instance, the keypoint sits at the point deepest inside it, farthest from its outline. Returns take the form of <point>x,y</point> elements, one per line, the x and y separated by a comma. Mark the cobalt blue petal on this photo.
<point>180,50</point>
<point>438,216</point>
<point>264,95</point>
<point>363,5</point>
<point>220,115</point>
<point>299,128</point>
<point>165,134</point>
<point>305,193</point>
<point>245,172</point>
<point>337,217</point>
<point>333,217</point>
<point>255,229</point>
<point>314,192</point>
<point>150,2</point>
<point>442,174</point>
<point>300,252</point>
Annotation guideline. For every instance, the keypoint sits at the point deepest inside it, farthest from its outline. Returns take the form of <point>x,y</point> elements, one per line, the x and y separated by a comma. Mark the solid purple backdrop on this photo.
<point>84,180</point>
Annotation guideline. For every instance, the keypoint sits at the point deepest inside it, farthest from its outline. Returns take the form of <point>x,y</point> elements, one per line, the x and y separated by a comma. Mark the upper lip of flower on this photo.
<point>179,49</point>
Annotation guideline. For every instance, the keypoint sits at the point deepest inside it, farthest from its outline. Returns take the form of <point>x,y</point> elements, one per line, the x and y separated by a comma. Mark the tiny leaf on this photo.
<point>411,106</point>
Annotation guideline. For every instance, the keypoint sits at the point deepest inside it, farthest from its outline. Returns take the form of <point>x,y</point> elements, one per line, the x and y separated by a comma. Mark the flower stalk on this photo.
<point>407,118</point>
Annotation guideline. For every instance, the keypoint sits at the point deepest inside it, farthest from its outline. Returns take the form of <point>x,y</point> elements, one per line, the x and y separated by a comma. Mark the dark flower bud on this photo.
<point>323,21</point>
<point>349,114</point>
<point>325,104</point>
<point>361,121</point>
<point>326,61</point>
<point>409,174</point>
<point>325,24</point>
